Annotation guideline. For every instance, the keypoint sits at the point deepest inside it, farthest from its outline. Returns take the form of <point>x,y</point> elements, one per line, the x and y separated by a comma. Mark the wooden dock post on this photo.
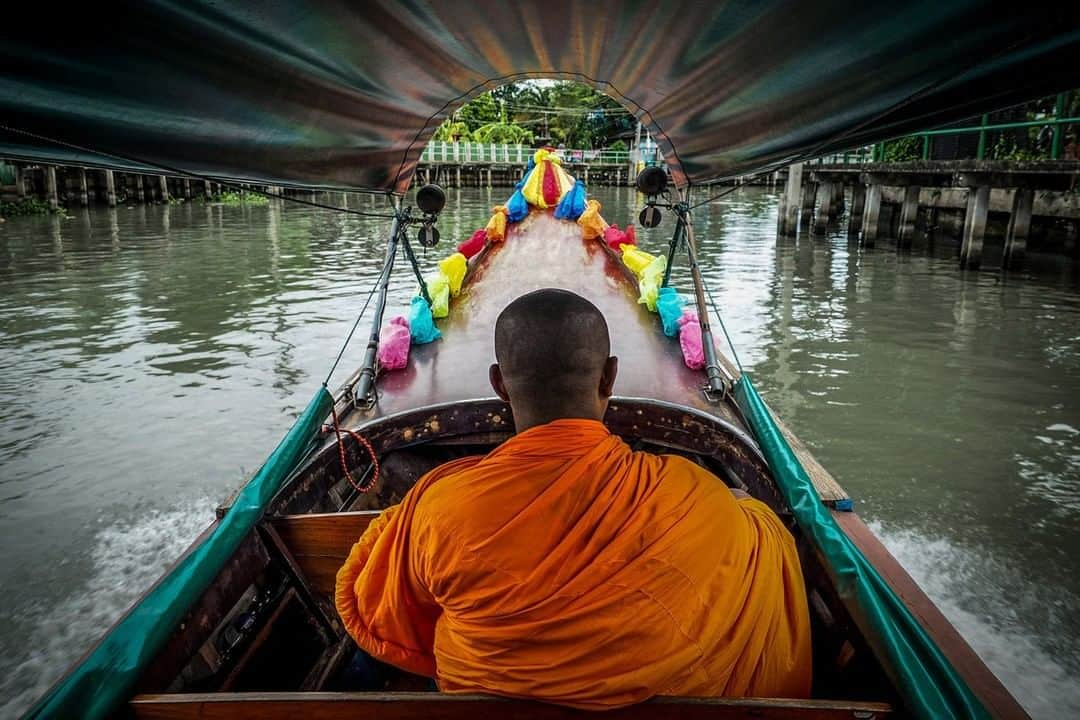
<point>837,206</point>
<point>187,189</point>
<point>50,187</point>
<point>858,202</point>
<point>140,191</point>
<point>206,189</point>
<point>792,197</point>
<point>457,176</point>
<point>871,214</point>
<point>163,183</point>
<point>908,213</point>
<point>824,205</point>
<point>110,188</point>
<point>1019,224</point>
<point>974,227</point>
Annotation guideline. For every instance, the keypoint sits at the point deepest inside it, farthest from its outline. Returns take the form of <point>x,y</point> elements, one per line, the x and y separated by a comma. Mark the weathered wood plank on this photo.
<point>319,543</point>
<point>411,706</point>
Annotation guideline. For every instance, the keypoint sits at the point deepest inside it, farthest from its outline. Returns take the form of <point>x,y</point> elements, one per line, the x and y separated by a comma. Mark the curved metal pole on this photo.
<point>365,382</point>
<point>713,370</point>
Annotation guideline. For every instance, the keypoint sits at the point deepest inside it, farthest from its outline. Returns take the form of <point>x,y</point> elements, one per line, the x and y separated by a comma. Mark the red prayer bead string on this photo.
<point>360,439</point>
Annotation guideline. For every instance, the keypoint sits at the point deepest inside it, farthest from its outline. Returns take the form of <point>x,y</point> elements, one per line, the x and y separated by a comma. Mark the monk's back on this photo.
<point>570,568</point>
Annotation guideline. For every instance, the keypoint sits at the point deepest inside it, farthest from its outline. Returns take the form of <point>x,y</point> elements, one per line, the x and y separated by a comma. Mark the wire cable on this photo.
<point>723,327</point>
<point>356,323</point>
<point>718,195</point>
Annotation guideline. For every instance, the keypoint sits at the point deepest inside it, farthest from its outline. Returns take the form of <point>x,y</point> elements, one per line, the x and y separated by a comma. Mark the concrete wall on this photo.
<point>1049,203</point>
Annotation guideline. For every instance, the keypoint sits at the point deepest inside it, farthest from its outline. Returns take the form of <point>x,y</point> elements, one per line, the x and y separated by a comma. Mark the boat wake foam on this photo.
<point>127,558</point>
<point>1015,630</point>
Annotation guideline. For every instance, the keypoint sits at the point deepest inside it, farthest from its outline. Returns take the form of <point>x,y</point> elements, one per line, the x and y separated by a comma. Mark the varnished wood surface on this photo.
<point>319,543</point>
<point>542,252</point>
<point>974,671</point>
<point>424,706</point>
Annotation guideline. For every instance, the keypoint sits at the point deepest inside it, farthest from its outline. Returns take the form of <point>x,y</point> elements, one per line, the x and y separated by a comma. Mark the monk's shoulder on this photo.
<point>675,468</point>
<point>441,488</point>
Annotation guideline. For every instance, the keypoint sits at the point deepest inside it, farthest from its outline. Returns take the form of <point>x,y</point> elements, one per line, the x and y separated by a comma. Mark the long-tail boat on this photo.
<point>324,95</point>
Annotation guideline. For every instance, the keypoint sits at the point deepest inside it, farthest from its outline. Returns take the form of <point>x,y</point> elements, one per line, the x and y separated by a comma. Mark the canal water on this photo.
<point>153,356</point>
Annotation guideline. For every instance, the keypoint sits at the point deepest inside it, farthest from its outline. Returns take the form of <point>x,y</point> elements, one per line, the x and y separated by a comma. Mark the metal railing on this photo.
<point>876,153</point>
<point>438,151</point>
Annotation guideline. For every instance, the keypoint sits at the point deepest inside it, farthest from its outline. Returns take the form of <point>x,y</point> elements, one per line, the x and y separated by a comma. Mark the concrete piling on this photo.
<point>908,212</point>
<point>824,207</point>
<point>781,215</point>
<point>1019,225</point>
<point>20,182</point>
<point>51,195</point>
<point>163,183</point>
<point>858,201</point>
<point>187,189</point>
<point>140,191</point>
<point>792,198</point>
<point>84,192</point>
<point>871,214</point>
<point>110,188</point>
<point>975,227</point>
<point>837,206</point>
<point>806,203</point>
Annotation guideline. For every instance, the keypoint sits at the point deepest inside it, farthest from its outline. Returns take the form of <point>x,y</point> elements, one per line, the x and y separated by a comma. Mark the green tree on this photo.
<point>503,133</point>
<point>452,131</point>
<point>478,111</point>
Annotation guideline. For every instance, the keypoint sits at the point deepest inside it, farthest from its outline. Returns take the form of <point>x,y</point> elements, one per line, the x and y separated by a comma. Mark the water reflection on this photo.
<point>154,355</point>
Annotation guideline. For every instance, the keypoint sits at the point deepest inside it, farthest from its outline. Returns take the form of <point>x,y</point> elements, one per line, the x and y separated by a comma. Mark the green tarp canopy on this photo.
<point>330,93</point>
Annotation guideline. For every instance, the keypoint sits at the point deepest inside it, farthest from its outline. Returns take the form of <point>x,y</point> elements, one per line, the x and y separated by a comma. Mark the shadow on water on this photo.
<point>155,354</point>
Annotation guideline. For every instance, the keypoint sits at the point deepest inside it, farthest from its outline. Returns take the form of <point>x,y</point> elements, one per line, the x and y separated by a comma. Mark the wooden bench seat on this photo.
<point>319,543</point>
<point>431,706</point>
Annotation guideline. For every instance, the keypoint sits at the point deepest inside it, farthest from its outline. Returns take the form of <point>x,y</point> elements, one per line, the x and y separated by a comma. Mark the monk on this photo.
<point>565,567</point>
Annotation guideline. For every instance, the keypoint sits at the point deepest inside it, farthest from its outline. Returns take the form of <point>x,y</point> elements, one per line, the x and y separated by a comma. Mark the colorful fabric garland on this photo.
<point>394,340</point>
<point>669,305</point>
<point>649,282</point>
<point>517,207</point>
<point>547,182</point>
<point>572,203</point>
<point>474,244</point>
<point>693,349</point>
<point>421,323</point>
<point>454,269</point>
<point>496,227</point>
<point>635,259</point>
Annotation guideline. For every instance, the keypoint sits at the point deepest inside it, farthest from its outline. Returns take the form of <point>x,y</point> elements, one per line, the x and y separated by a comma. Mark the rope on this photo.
<point>360,439</point>
<point>192,175</point>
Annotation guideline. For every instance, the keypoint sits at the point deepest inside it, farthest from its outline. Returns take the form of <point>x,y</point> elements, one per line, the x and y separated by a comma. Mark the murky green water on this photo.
<point>153,356</point>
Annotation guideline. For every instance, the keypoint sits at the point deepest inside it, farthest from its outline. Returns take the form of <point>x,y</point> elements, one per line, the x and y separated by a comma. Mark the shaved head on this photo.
<point>552,348</point>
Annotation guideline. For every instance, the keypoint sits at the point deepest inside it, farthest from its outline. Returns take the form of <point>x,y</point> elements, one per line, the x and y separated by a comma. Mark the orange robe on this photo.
<point>564,567</point>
